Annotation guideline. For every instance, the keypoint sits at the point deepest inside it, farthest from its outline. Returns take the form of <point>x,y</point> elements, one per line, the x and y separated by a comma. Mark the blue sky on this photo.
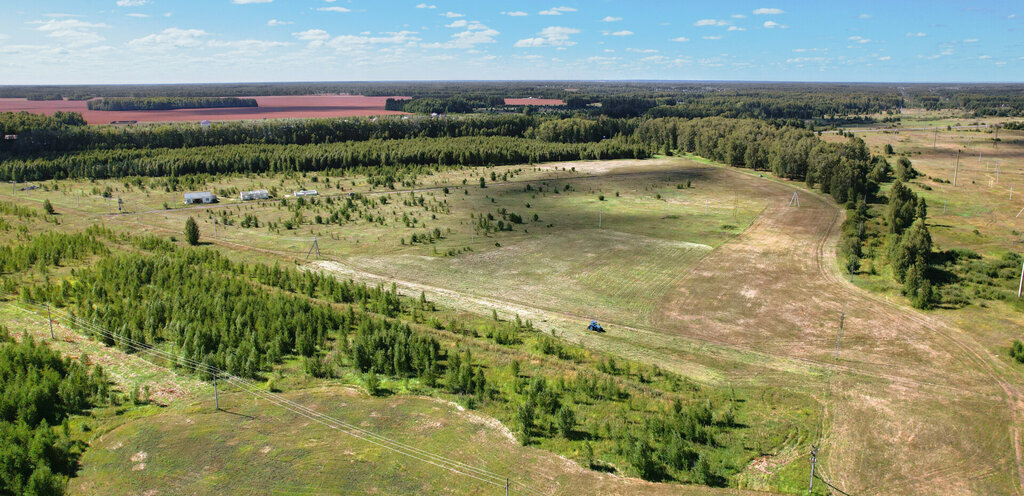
<point>165,41</point>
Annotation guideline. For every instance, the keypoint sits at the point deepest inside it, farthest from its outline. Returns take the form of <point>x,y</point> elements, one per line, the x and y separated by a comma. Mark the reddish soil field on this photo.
<point>533,101</point>
<point>270,107</point>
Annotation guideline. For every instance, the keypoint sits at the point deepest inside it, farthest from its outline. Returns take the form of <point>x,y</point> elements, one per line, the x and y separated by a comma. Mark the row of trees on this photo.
<point>168,103</point>
<point>434,152</point>
<point>839,169</point>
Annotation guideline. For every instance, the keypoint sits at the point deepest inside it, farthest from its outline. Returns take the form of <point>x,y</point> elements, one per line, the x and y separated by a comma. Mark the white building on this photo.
<point>200,197</point>
<point>256,194</point>
<point>305,192</point>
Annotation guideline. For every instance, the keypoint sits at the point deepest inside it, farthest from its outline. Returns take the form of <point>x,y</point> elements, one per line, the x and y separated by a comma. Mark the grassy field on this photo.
<point>746,296</point>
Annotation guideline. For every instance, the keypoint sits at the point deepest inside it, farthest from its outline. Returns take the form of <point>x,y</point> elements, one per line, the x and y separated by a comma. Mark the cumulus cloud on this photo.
<point>425,6</point>
<point>474,34</point>
<point>452,15</point>
<point>916,35</point>
<point>551,36</point>
<point>736,28</point>
<point>771,24</point>
<point>557,10</point>
<point>611,19</point>
<point>247,46</point>
<point>768,11</point>
<point>170,38</point>
<point>131,3</point>
<point>72,31</point>
<point>315,37</point>
<point>860,39</point>
<point>334,9</point>
<point>354,42</point>
<point>710,22</point>
<point>711,37</point>
<point>971,40</point>
<point>136,14</point>
<point>275,22</point>
<point>515,13</point>
<point>624,32</point>
<point>681,39</point>
<point>243,2</point>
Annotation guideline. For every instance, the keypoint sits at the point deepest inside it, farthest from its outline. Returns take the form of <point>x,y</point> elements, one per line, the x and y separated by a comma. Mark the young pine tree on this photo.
<point>191,231</point>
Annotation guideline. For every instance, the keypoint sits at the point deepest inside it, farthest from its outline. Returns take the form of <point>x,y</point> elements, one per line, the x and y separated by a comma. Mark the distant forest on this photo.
<point>168,103</point>
<point>616,99</point>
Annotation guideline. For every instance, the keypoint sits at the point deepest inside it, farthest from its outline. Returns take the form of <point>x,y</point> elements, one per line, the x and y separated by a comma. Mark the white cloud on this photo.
<point>315,37</point>
<point>515,13</point>
<point>611,19</point>
<point>641,50</point>
<point>885,58</point>
<point>711,37</point>
<point>859,39</point>
<point>170,38</point>
<point>425,6</point>
<point>345,43</point>
<point>767,11</point>
<point>557,10</point>
<point>72,31</point>
<point>971,40</point>
<point>247,46</point>
<point>556,36</point>
<point>681,39</point>
<point>983,57</point>
<point>864,16</point>
<point>452,15</point>
<point>334,9</point>
<point>916,35</point>
<point>131,3</point>
<point>136,14</point>
<point>624,32</point>
<point>772,25</point>
<point>738,16</point>
<point>275,22</point>
<point>710,22</point>
<point>243,2</point>
<point>736,28</point>
<point>475,34</point>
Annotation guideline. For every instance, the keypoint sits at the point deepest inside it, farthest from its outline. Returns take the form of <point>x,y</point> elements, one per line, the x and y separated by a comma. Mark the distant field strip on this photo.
<point>603,273</point>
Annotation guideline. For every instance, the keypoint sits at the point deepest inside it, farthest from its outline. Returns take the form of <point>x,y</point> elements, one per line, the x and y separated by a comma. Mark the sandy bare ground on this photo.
<point>915,406</point>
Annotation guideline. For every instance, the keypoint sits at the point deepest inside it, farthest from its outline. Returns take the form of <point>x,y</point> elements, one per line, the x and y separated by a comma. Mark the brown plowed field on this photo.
<point>270,107</point>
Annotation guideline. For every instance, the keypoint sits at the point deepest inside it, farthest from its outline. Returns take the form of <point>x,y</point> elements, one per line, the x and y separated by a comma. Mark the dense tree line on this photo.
<point>168,103</point>
<point>839,169</point>
<point>39,390</point>
<point>467,151</point>
<point>40,135</point>
<point>454,105</point>
<point>24,124</point>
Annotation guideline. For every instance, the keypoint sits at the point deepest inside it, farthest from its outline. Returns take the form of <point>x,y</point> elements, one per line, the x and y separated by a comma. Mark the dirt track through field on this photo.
<point>916,406</point>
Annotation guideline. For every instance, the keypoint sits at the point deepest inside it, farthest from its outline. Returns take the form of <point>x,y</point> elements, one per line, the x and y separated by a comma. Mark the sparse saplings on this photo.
<point>48,207</point>
<point>566,421</point>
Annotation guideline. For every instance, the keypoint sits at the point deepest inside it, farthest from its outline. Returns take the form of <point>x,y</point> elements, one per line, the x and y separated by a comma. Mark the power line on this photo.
<point>246,385</point>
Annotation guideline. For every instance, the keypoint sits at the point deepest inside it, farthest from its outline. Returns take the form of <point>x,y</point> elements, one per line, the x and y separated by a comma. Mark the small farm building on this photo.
<point>200,197</point>
<point>256,194</point>
<point>306,192</point>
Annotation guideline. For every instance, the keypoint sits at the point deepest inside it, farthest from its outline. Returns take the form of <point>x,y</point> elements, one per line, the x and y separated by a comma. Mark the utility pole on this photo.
<point>1021,285</point>
<point>842,320</point>
<point>314,247</point>
<point>50,319</point>
<point>814,459</point>
<point>216,399</point>
<point>957,168</point>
